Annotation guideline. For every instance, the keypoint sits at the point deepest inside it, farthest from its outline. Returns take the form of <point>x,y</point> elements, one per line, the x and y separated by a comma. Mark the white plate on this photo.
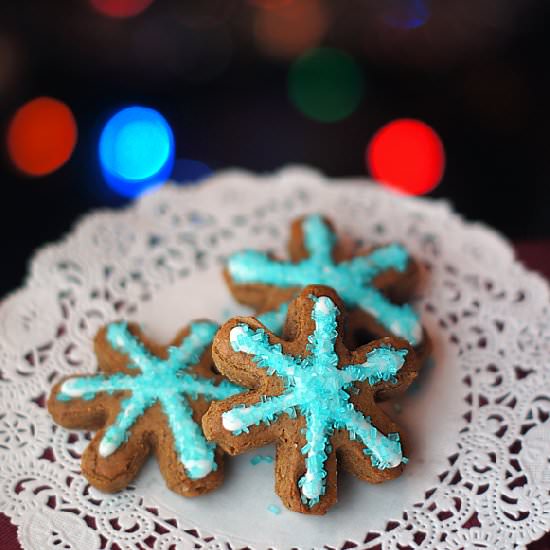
<point>477,420</point>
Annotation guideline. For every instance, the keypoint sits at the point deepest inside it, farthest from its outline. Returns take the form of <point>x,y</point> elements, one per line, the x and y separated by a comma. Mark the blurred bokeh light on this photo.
<point>406,14</point>
<point>121,8</point>
<point>136,150</point>
<point>290,29</point>
<point>41,136</point>
<point>326,84</point>
<point>406,155</point>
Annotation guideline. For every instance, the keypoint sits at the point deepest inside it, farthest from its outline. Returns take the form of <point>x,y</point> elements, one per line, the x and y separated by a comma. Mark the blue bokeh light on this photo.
<point>136,150</point>
<point>406,14</point>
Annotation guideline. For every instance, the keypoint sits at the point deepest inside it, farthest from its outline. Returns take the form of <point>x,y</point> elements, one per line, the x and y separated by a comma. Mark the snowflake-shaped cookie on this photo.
<point>312,396</point>
<point>364,282</point>
<point>148,398</point>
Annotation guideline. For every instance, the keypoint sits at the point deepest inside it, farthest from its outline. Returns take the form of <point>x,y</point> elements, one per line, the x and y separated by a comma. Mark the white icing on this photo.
<point>68,389</point>
<point>230,423</point>
<point>395,460</point>
<point>324,305</point>
<point>233,338</point>
<point>396,328</point>
<point>200,468</point>
<point>312,489</point>
<point>107,448</point>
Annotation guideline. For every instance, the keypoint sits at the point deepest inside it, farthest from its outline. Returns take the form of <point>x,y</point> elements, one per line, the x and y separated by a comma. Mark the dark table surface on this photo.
<point>534,254</point>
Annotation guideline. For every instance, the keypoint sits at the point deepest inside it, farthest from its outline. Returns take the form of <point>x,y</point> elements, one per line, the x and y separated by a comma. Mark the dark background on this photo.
<point>475,70</point>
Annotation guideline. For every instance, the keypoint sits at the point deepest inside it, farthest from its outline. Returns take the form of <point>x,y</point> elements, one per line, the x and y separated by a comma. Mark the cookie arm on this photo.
<point>400,320</point>
<point>238,364</point>
<point>239,419</point>
<point>289,469</point>
<point>392,377</point>
<point>119,431</point>
<point>256,436</point>
<point>192,448</point>
<point>192,345</point>
<point>79,413</point>
<point>384,450</point>
<point>111,360</point>
<point>313,236</point>
<point>351,452</point>
<point>256,267</point>
<point>113,473</point>
<point>175,474</point>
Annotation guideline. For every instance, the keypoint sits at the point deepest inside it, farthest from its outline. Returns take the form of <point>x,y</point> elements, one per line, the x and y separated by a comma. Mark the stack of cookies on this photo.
<point>332,336</point>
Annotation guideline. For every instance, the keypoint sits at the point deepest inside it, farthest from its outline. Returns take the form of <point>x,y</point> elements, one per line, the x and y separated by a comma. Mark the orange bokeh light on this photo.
<point>121,8</point>
<point>289,30</point>
<point>406,155</point>
<point>41,136</point>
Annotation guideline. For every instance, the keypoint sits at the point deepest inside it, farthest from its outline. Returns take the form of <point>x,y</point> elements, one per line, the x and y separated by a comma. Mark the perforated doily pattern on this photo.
<point>488,316</point>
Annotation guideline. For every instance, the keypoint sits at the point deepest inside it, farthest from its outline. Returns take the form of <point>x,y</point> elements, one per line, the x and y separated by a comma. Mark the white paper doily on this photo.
<point>479,474</point>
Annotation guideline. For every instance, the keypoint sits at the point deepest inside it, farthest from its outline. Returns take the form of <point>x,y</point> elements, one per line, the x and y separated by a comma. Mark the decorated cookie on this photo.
<point>367,282</point>
<point>311,396</point>
<point>146,398</point>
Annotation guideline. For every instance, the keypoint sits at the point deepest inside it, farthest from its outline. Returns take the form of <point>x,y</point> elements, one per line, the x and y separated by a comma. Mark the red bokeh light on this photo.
<point>41,136</point>
<point>406,155</point>
<point>121,8</point>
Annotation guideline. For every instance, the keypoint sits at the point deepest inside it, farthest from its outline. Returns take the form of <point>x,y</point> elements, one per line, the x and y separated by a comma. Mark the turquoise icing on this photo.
<point>320,391</point>
<point>351,279</point>
<point>158,380</point>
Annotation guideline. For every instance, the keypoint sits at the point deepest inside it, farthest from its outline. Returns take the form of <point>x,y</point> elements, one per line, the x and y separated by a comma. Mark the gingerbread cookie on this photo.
<point>147,398</point>
<point>312,396</point>
<point>367,282</point>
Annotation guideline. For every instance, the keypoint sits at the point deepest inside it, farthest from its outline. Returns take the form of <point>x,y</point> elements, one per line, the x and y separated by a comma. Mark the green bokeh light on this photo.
<point>326,84</point>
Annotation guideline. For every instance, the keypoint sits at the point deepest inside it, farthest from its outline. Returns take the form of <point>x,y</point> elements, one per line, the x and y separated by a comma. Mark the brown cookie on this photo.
<point>146,398</point>
<point>374,284</point>
<point>312,396</point>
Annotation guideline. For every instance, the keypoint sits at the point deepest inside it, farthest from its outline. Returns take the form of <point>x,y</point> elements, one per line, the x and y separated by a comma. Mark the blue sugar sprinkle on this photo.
<point>255,460</point>
<point>274,509</point>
